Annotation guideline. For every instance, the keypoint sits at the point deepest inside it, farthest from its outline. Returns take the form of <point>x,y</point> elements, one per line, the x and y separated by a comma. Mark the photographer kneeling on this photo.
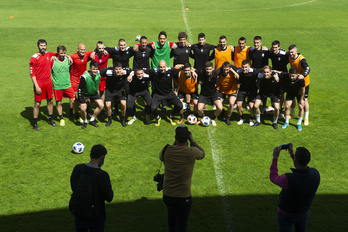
<point>298,189</point>
<point>179,161</point>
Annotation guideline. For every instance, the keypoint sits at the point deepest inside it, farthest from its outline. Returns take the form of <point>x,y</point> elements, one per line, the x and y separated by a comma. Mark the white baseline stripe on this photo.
<point>164,10</point>
<point>214,148</point>
<point>220,179</point>
<point>186,21</point>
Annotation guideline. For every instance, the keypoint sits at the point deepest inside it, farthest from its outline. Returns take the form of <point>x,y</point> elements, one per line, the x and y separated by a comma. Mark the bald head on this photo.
<point>162,65</point>
<point>81,49</point>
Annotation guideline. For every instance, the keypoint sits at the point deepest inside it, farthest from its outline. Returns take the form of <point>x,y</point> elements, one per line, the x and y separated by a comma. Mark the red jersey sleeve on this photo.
<point>88,54</point>
<point>171,44</point>
<point>32,66</point>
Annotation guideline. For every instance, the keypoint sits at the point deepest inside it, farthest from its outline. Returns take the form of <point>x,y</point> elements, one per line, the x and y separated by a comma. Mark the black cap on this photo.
<point>181,133</point>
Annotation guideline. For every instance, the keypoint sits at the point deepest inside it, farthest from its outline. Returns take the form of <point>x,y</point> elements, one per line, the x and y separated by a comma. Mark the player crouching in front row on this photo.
<point>268,85</point>
<point>294,84</point>
<point>88,90</point>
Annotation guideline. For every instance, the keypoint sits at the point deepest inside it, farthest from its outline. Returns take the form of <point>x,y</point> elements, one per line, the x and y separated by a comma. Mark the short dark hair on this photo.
<point>182,35</point>
<point>97,151</point>
<point>40,41</point>
<point>244,62</point>
<point>267,67</point>
<point>181,133</point>
<point>201,35</point>
<point>117,64</point>
<point>257,37</point>
<point>276,42</point>
<point>121,40</point>
<point>292,46</point>
<point>138,69</point>
<point>302,156</point>
<point>93,63</point>
<point>61,47</point>
<point>187,65</point>
<point>143,37</point>
<point>226,64</point>
<point>100,42</point>
<point>208,64</point>
<point>222,37</point>
<point>293,70</point>
<point>162,33</point>
<point>242,38</point>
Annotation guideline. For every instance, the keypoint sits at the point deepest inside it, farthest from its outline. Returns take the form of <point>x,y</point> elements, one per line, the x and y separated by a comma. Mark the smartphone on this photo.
<point>284,146</point>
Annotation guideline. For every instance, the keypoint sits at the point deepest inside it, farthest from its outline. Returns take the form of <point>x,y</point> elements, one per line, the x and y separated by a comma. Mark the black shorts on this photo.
<point>194,95</point>
<point>91,98</point>
<point>223,96</point>
<point>171,98</point>
<point>272,96</point>
<point>291,96</point>
<point>204,99</point>
<point>115,96</point>
<point>251,94</point>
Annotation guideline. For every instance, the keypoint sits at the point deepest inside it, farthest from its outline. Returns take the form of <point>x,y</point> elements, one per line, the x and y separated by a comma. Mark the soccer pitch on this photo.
<point>231,188</point>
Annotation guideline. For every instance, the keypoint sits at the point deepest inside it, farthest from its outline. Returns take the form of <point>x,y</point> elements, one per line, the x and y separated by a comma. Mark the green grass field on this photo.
<point>231,188</point>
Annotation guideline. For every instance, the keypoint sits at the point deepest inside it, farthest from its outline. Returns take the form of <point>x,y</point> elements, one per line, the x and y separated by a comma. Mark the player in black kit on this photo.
<point>200,52</point>
<point>208,79</point>
<point>246,84</point>
<point>182,52</point>
<point>294,85</point>
<point>121,54</point>
<point>280,60</point>
<point>162,83</point>
<point>117,85</point>
<point>268,86</point>
<point>142,54</point>
<point>139,87</point>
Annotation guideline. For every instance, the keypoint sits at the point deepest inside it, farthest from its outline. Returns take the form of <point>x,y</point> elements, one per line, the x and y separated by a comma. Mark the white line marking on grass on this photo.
<point>163,10</point>
<point>214,149</point>
<point>219,178</point>
<point>186,21</point>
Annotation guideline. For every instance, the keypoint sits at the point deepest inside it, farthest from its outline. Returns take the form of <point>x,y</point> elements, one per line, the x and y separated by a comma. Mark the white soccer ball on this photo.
<point>205,121</point>
<point>78,148</point>
<point>192,119</point>
<point>137,38</point>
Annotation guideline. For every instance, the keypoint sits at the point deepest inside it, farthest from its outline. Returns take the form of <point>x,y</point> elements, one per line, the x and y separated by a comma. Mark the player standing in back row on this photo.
<point>40,73</point>
<point>298,61</point>
<point>61,82</point>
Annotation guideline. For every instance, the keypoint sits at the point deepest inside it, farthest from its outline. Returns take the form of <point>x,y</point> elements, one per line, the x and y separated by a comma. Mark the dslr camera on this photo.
<point>159,178</point>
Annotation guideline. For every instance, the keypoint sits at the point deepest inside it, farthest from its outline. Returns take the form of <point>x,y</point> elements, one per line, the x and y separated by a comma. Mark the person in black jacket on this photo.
<point>104,189</point>
<point>298,189</point>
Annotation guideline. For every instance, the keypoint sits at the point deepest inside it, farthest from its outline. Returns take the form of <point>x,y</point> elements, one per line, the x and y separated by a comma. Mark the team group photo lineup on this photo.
<point>234,78</point>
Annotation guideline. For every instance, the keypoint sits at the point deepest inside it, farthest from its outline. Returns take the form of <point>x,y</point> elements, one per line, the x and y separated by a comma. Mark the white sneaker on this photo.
<point>213,122</point>
<point>130,122</point>
<point>214,107</point>
<point>251,122</point>
<point>240,122</point>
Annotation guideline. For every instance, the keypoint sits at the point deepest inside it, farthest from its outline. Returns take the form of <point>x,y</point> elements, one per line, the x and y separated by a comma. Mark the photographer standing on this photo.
<point>179,160</point>
<point>298,189</point>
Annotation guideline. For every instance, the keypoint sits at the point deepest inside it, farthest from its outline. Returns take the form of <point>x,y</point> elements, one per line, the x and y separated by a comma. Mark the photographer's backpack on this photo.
<point>84,200</point>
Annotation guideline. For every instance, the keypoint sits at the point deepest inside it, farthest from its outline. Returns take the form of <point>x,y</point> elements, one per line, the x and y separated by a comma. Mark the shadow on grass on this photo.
<point>242,213</point>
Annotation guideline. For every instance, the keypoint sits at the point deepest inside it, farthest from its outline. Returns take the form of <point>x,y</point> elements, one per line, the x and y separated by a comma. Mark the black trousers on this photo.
<point>131,101</point>
<point>178,212</point>
<point>171,98</point>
